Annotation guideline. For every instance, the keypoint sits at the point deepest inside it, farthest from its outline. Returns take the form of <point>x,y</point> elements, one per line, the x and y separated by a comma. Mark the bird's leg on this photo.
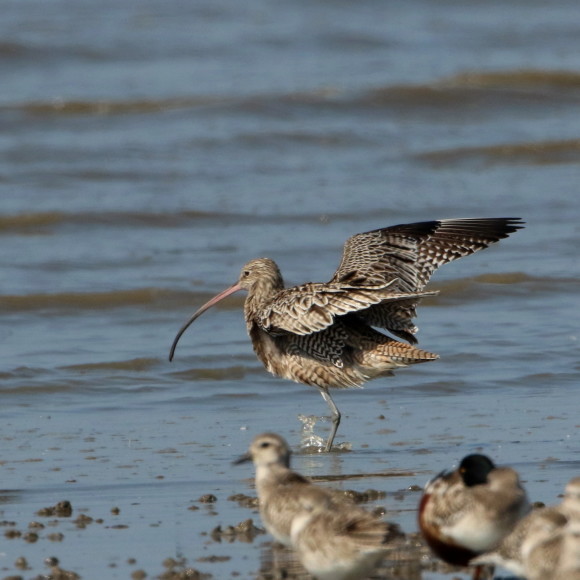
<point>335,417</point>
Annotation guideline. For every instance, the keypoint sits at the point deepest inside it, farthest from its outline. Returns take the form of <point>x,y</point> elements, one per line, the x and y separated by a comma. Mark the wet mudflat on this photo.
<point>157,500</point>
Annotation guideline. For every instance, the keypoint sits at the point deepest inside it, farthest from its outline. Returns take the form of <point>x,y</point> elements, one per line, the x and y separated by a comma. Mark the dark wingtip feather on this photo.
<point>515,223</point>
<point>498,228</point>
<point>510,224</point>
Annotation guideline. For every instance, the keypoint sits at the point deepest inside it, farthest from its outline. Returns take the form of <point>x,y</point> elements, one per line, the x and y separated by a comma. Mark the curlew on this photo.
<point>325,334</point>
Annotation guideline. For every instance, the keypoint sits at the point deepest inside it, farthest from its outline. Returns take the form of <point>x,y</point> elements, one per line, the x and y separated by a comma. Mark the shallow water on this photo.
<point>148,150</point>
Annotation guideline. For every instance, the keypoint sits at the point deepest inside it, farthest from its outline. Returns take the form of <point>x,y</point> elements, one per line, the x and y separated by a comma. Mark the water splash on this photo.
<point>308,439</point>
<point>313,443</point>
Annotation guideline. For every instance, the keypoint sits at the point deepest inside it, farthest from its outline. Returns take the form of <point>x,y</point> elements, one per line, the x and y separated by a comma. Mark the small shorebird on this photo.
<point>570,505</point>
<point>280,490</point>
<point>334,538</point>
<point>469,511</point>
<point>324,334</point>
<point>531,532</point>
<point>537,546</point>
<point>568,567</point>
<point>340,544</point>
<point>541,548</point>
<point>569,562</point>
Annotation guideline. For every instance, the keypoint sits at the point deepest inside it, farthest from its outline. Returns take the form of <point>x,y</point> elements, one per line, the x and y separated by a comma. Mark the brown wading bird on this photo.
<point>323,334</point>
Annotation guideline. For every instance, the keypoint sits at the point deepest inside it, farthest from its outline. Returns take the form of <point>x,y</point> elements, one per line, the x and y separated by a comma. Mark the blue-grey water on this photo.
<point>148,149</point>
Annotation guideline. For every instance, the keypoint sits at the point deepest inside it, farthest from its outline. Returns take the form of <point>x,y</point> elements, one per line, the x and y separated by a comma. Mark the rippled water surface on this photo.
<point>148,149</point>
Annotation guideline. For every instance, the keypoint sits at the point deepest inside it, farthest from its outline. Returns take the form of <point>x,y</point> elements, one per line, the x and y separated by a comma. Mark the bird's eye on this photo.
<point>245,273</point>
<point>265,444</point>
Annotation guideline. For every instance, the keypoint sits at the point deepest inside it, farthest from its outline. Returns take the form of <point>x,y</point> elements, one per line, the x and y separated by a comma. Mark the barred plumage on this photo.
<point>321,334</point>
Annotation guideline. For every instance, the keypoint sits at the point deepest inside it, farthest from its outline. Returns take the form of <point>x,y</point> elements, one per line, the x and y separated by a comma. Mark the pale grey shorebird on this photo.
<point>333,537</point>
<point>541,547</point>
<point>570,505</point>
<point>564,542</point>
<point>569,560</point>
<point>324,334</point>
<point>468,511</point>
<point>279,488</point>
<point>340,544</point>
<point>536,546</point>
<point>540,525</point>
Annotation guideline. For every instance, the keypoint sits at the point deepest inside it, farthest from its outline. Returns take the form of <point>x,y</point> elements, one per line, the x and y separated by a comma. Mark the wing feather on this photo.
<point>412,252</point>
<point>407,255</point>
<point>313,307</point>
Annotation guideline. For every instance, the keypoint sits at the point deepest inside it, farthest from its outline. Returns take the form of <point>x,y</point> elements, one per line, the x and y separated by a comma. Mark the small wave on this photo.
<point>10,50</point>
<point>84,301</point>
<point>34,380</point>
<point>465,89</point>
<point>134,365</point>
<point>109,107</point>
<point>213,374</point>
<point>503,278</point>
<point>161,298</point>
<point>22,373</point>
<point>45,222</point>
<point>522,78</point>
<point>41,388</point>
<point>29,221</point>
<point>462,91</point>
<point>328,139</point>
<point>457,285</point>
<point>527,153</point>
<point>167,299</point>
<point>495,284</point>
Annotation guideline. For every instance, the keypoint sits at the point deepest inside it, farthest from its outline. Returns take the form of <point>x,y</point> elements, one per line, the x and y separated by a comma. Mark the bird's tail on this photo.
<point>388,354</point>
<point>403,353</point>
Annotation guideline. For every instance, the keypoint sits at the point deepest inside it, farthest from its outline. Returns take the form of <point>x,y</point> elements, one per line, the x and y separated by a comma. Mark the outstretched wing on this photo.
<point>313,307</point>
<point>407,255</point>
<point>412,252</point>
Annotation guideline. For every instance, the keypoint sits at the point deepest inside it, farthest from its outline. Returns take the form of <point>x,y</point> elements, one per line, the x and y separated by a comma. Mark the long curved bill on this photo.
<point>199,312</point>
